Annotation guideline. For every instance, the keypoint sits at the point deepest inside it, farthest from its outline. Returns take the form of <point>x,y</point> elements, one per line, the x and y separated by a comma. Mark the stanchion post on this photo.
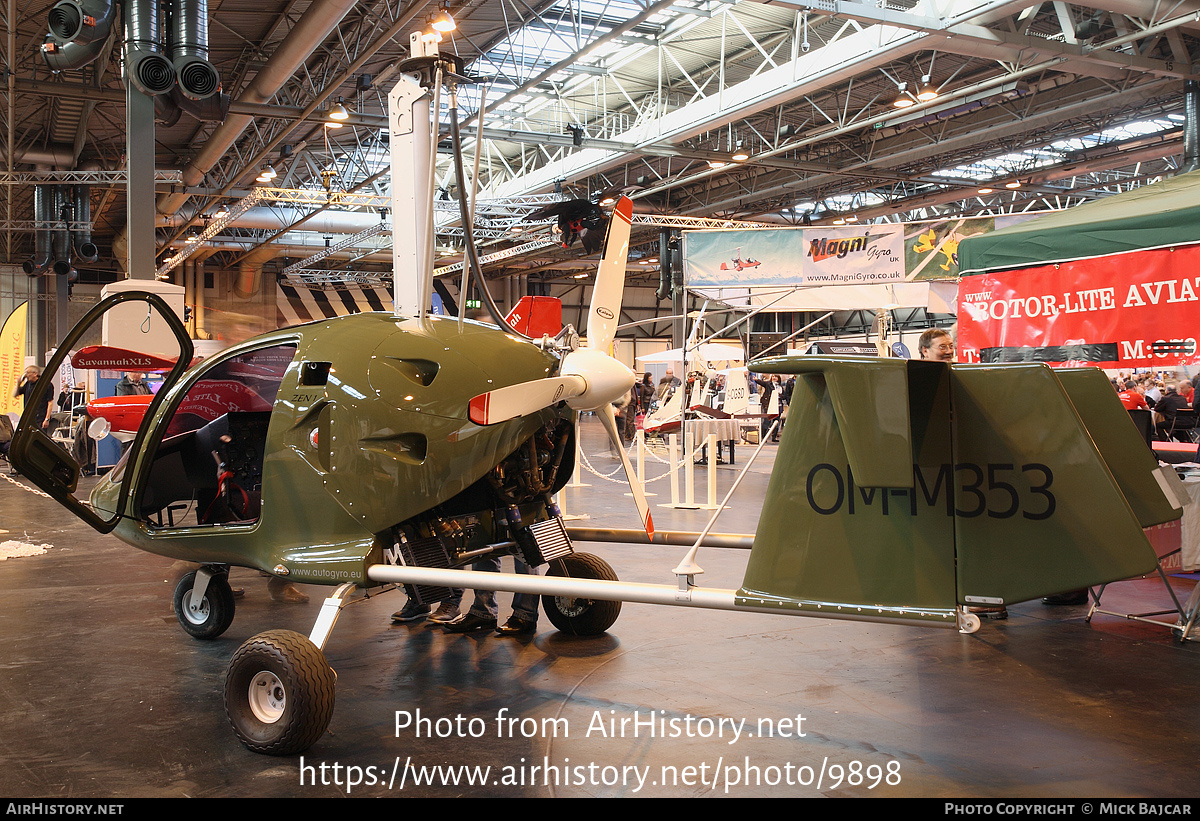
<point>711,446</point>
<point>577,475</point>
<point>640,438</point>
<point>689,467</point>
<point>673,455</point>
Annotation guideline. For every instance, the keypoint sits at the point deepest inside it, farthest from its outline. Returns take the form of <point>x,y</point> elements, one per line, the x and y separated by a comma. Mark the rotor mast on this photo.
<point>412,146</point>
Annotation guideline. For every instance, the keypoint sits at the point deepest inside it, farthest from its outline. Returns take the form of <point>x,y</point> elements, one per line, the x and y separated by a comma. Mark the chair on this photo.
<point>1182,427</point>
<point>1143,420</point>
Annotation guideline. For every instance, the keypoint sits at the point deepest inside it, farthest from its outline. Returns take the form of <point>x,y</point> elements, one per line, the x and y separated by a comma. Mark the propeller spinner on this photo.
<point>588,378</point>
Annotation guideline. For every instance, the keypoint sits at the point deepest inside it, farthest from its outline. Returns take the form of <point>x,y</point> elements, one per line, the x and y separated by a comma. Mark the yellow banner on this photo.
<point>12,358</point>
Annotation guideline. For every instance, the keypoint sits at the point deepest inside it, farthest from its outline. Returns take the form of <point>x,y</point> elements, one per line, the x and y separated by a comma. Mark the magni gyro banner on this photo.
<point>857,255</point>
<point>1131,310</point>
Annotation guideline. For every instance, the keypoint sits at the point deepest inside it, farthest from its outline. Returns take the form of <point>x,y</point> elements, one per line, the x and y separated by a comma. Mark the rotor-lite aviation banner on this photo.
<point>1131,310</point>
<point>789,257</point>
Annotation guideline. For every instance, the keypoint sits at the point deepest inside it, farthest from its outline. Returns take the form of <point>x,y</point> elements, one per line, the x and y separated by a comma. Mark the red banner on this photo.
<point>1134,310</point>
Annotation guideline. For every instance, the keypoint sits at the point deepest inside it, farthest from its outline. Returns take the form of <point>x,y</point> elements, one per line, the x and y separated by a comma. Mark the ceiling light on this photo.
<point>608,200</point>
<point>740,154</point>
<point>267,173</point>
<point>904,100</point>
<point>332,124</point>
<point>927,91</point>
<point>339,112</point>
<point>985,190</point>
<point>715,164</point>
<point>222,211</point>
<point>443,22</point>
<point>1012,184</point>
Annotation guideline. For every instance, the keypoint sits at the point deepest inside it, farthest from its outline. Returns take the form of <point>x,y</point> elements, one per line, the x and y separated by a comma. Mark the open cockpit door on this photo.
<point>145,326</point>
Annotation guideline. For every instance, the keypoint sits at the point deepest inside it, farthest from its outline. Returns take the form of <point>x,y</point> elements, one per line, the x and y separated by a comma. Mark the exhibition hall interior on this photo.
<point>600,398</point>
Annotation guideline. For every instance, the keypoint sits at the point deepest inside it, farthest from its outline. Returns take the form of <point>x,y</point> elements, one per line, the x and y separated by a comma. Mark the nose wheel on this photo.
<point>204,603</point>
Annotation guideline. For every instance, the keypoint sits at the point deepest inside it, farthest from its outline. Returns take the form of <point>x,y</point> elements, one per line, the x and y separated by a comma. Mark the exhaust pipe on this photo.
<point>61,237</point>
<point>39,263</point>
<point>85,249</point>
<point>1191,126</point>
<point>78,31</point>
<point>70,56</point>
<point>166,110</point>
<point>81,21</point>
<point>150,72</point>
<point>198,78</point>
<point>211,109</point>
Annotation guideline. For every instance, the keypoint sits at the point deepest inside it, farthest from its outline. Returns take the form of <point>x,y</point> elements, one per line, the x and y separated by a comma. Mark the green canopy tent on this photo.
<point>1163,214</point>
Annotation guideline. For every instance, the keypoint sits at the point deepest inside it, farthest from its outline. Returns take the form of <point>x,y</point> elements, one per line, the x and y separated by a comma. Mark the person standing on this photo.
<point>25,389</point>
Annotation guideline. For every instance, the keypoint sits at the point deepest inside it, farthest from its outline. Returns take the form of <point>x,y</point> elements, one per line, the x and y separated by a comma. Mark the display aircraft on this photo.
<point>122,415</point>
<point>739,264</point>
<point>579,219</point>
<point>378,449</point>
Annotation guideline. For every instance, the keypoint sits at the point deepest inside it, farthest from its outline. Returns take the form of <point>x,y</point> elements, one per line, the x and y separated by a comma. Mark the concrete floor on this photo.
<point>102,695</point>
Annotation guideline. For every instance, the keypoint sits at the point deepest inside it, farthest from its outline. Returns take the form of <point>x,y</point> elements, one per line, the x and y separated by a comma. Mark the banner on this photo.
<point>12,358</point>
<point>931,250</point>
<point>857,255</point>
<point>1131,310</point>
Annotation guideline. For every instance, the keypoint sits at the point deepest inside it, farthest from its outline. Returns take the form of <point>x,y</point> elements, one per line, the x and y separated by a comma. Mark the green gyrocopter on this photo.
<point>400,448</point>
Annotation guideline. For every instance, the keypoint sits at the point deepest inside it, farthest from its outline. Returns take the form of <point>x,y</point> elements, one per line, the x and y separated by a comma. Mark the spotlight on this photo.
<point>927,91</point>
<point>443,22</point>
<point>339,112</point>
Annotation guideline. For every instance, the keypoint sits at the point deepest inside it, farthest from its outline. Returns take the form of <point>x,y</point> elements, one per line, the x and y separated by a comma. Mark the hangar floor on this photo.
<point>103,696</point>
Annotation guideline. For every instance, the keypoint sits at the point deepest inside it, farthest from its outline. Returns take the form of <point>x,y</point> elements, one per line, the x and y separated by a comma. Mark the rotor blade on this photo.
<point>609,417</point>
<point>610,279</point>
<point>507,403</point>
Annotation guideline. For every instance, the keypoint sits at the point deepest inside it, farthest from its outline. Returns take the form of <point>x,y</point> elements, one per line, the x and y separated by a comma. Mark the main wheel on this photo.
<point>279,693</point>
<point>581,617</point>
<point>212,614</point>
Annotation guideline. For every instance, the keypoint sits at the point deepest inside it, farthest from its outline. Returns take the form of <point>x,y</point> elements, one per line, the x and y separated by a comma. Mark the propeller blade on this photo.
<point>523,398</point>
<point>610,279</point>
<point>609,417</point>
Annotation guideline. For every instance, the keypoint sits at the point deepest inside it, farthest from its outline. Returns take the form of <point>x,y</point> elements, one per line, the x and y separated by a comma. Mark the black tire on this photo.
<point>213,615</point>
<point>279,693</point>
<point>581,617</point>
